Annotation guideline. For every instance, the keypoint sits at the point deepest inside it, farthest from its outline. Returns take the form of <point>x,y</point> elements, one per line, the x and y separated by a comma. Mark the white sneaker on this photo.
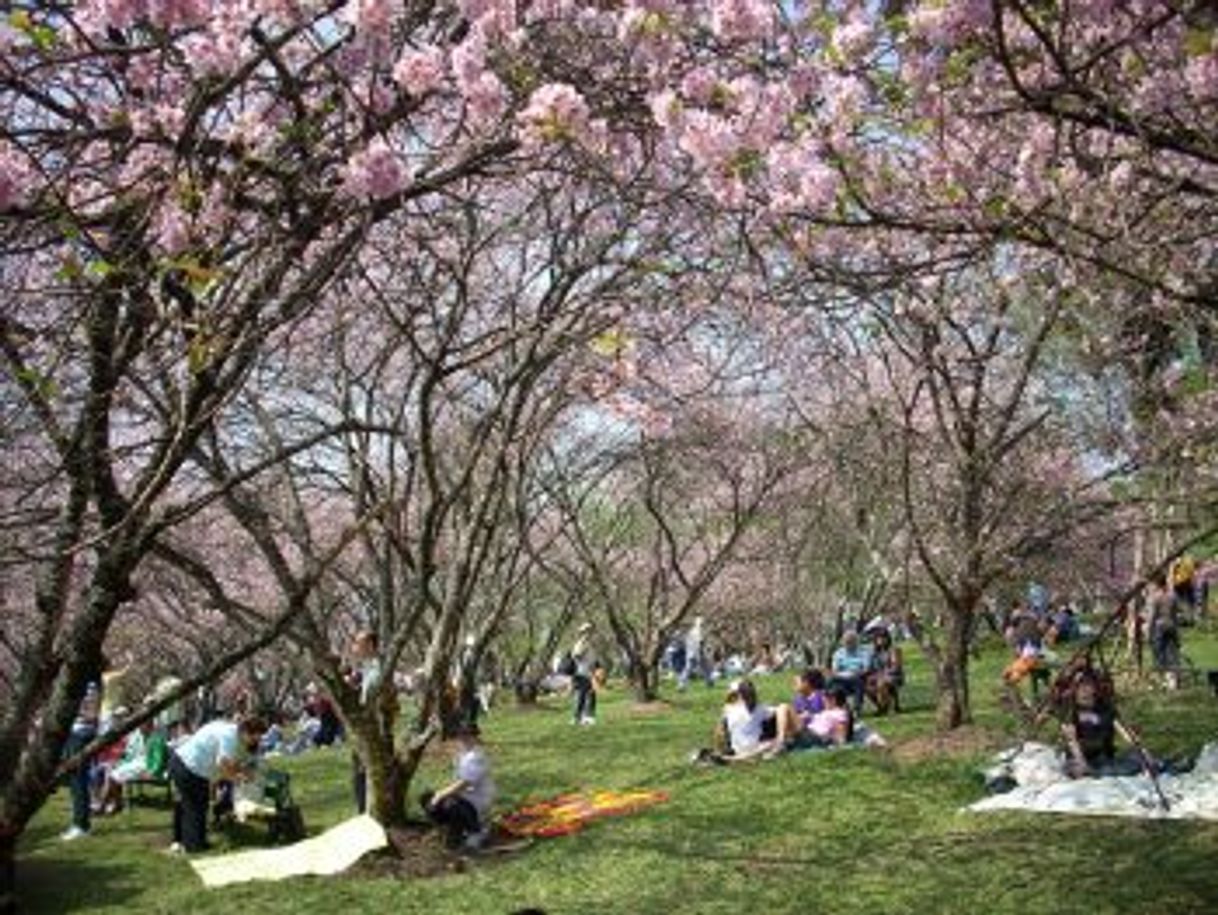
<point>587,719</point>
<point>73,833</point>
<point>175,849</point>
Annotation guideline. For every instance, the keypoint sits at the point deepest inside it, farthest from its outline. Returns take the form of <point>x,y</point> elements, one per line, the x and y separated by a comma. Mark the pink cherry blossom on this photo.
<point>469,60</point>
<point>1201,75</point>
<point>800,179</point>
<point>173,13</point>
<point>666,109</point>
<point>555,111</point>
<point>15,178</point>
<point>742,20</point>
<point>213,51</point>
<point>172,228</point>
<point>419,72</point>
<point>375,173</point>
<point>486,99</point>
<point>373,17</point>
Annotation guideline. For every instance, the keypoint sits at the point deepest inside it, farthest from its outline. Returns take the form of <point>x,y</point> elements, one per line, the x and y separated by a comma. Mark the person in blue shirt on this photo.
<point>220,750</point>
<point>852,663</point>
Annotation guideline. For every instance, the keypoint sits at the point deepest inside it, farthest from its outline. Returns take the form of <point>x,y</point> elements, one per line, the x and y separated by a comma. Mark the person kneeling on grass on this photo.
<point>463,807</point>
<point>219,751</point>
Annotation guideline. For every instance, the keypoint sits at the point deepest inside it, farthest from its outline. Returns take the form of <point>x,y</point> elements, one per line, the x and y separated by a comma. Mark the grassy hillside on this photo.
<point>854,831</point>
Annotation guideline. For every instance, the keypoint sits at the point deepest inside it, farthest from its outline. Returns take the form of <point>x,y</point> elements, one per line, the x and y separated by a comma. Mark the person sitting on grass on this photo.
<point>887,672</point>
<point>463,807</point>
<point>833,726</point>
<point>749,730</point>
<point>851,666</point>
<point>1090,729</point>
<point>809,695</point>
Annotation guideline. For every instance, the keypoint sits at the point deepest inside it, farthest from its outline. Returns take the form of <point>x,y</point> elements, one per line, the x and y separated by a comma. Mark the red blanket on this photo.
<point>567,813</point>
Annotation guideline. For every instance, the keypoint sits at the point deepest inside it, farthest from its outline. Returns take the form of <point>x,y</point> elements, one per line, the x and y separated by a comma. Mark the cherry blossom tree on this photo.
<point>656,523</point>
<point>450,379</point>
<point>179,185</point>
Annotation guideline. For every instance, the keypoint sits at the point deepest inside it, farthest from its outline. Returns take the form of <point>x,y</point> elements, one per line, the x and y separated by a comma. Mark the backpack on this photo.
<point>566,666</point>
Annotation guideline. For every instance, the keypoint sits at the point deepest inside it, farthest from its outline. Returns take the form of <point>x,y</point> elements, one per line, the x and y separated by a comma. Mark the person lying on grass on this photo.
<point>463,807</point>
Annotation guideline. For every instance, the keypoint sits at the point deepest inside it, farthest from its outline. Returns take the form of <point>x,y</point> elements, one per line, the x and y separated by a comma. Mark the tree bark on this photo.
<point>951,670</point>
<point>645,678</point>
<point>527,692</point>
<point>386,783</point>
<point>8,868</point>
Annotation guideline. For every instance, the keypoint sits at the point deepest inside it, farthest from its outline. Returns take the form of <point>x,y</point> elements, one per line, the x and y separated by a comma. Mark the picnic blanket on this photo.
<point>567,813</point>
<point>333,851</point>
<point>1043,786</point>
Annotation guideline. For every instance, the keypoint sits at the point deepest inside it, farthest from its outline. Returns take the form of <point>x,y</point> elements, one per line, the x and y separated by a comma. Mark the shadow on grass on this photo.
<point>54,884</point>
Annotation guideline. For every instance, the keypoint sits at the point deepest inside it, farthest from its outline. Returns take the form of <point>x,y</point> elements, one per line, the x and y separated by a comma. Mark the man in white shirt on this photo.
<point>220,750</point>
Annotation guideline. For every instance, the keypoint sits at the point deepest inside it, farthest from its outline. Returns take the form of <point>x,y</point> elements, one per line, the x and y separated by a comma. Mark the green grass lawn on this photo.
<point>858,831</point>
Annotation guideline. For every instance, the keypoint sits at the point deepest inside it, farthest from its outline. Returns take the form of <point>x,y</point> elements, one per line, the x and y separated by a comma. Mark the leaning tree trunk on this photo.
<point>951,670</point>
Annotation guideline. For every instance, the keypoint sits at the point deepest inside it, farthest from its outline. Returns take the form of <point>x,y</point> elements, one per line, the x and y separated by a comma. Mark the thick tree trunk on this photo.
<point>527,692</point>
<point>386,784</point>
<point>645,678</point>
<point>8,869</point>
<point>951,670</point>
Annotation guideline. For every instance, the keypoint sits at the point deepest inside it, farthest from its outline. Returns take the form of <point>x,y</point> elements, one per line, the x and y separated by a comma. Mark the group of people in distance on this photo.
<point>204,765</point>
<point>824,710</point>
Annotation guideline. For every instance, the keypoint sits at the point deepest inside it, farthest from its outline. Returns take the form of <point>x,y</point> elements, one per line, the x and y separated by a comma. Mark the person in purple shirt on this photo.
<point>809,695</point>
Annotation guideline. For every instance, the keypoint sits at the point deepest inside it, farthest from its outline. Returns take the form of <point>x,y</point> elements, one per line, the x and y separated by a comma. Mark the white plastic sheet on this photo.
<point>332,852</point>
<point>1191,796</point>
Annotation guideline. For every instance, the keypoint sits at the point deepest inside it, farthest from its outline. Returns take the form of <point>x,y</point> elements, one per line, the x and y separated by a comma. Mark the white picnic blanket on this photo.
<point>1044,787</point>
<point>332,852</point>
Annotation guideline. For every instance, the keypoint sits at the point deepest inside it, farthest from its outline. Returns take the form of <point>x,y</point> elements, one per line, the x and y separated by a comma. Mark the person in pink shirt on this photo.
<point>834,725</point>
